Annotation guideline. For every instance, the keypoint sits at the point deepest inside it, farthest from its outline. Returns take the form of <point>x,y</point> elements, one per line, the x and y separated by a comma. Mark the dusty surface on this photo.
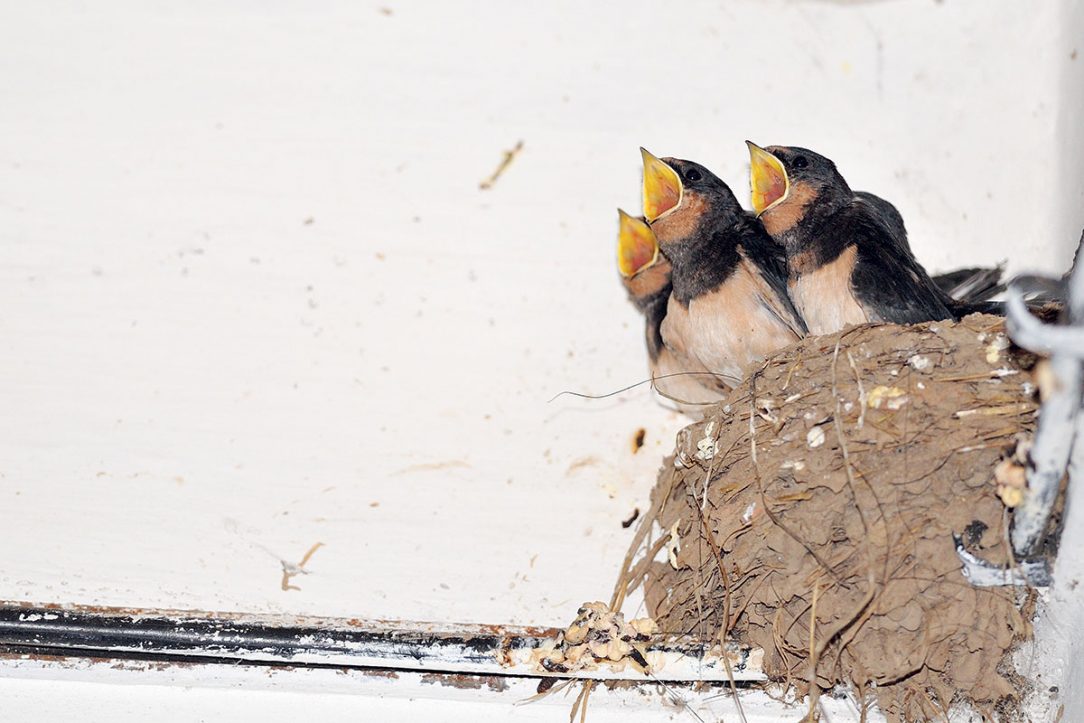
<point>831,546</point>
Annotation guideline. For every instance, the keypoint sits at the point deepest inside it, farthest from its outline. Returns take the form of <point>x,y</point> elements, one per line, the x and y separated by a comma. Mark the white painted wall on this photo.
<point>197,383</point>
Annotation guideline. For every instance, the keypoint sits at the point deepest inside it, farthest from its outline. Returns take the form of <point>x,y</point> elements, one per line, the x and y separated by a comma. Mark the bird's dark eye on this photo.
<point>692,175</point>
<point>799,162</point>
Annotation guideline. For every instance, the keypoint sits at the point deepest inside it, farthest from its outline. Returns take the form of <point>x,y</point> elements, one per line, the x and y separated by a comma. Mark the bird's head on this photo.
<point>644,271</point>
<point>786,180</point>
<point>681,196</point>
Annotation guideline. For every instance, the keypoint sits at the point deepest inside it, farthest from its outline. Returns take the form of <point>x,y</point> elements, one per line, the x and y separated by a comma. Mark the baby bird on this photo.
<point>728,307</point>
<point>645,274</point>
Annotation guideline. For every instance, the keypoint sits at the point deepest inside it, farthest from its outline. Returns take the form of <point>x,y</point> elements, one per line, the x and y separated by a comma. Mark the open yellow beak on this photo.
<point>662,187</point>
<point>637,248</point>
<point>767,178</point>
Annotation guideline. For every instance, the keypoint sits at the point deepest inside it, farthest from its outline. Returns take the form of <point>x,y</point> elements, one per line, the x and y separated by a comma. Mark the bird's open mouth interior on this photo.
<point>767,178</point>
<point>662,187</point>
<point>636,245</point>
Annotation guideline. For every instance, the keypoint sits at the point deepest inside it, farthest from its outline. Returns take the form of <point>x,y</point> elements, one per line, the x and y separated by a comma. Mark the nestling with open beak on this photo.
<point>844,263</point>
<point>645,274</point>
<point>728,307</point>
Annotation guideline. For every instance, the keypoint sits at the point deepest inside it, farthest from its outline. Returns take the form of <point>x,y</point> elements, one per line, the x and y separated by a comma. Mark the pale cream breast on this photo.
<point>732,328</point>
<point>824,297</point>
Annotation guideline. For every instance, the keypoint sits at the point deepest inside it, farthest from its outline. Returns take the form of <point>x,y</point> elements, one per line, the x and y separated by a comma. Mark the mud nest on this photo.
<point>812,515</point>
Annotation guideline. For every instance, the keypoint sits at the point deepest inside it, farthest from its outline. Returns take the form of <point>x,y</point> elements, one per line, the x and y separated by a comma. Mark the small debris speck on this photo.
<point>290,571</point>
<point>506,161</point>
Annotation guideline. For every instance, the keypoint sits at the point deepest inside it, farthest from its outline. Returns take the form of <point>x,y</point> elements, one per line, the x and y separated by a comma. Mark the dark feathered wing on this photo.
<point>654,313</point>
<point>888,214</point>
<point>771,261</point>
<point>896,289</point>
<point>889,283</point>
